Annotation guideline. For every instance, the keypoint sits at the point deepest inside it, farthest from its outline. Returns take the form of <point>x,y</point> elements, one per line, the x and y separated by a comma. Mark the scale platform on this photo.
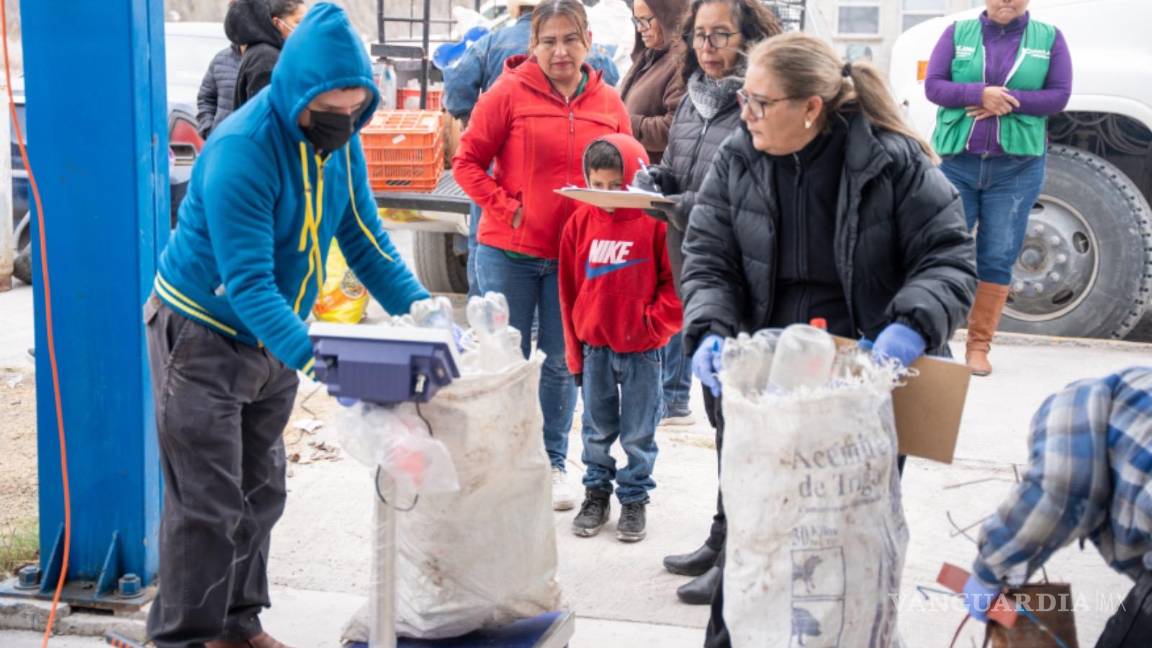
<point>550,630</point>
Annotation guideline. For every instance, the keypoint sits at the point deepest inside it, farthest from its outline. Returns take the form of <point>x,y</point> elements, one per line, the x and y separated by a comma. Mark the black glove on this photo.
<point>649,179</point>
<point>579,378</point>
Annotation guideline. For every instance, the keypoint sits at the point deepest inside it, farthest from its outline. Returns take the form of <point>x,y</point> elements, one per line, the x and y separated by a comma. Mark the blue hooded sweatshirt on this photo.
<point>247,257</point>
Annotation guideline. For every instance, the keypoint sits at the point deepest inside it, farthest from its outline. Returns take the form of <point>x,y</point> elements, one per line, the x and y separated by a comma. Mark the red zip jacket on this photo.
<point>537,140</point>
<point>616,286</point>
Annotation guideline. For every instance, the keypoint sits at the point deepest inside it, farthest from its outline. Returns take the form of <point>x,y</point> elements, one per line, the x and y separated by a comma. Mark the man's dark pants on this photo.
<point>221,408</point>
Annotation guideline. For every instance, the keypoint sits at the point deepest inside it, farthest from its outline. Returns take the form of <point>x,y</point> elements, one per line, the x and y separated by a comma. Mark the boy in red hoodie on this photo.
<point>619,307</point>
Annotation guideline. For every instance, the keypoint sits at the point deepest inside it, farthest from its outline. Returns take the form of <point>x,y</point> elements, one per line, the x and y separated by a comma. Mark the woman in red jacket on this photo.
<point>534,123</point>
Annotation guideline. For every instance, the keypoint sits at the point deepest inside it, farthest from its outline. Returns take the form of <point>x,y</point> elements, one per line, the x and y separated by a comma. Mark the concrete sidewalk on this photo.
<point>620,593</point>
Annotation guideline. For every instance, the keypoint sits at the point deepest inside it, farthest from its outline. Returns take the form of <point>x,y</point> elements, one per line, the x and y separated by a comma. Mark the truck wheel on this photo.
<point>22,264</point>
<point>1085,268</point>
<point>438,265</point>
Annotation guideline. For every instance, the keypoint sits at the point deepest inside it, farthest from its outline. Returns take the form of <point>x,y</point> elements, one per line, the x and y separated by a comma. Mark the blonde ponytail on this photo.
<point>807,66</point>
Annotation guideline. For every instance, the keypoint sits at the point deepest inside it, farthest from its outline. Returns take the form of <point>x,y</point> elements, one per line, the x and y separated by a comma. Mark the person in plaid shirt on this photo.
<point>1089,477</point>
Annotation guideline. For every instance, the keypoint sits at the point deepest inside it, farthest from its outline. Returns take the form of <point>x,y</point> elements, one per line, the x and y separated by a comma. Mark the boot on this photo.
<point>633,519</point>
<point>692,564</point>
<point>699,590</point>
<point>982,323</point>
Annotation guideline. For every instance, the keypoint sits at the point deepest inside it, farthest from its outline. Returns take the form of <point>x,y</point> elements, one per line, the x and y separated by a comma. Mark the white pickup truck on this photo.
<point>1086,265</point>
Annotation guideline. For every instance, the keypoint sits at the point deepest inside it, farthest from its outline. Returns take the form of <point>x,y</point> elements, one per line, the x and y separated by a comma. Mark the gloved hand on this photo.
<point>898,342</point>
<point>706,362</point>
<point>979,597</point>
<point>649,179</point>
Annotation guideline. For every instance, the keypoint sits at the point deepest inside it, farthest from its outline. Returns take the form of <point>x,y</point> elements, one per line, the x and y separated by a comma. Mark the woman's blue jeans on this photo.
<point>998,194</point>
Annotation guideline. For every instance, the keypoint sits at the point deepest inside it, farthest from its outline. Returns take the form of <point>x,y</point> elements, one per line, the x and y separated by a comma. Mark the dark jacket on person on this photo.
<point>692,144</point>
<point>652,89</point>
<point>249,24</point>
<point>901,248</point>
<point>217,95</point>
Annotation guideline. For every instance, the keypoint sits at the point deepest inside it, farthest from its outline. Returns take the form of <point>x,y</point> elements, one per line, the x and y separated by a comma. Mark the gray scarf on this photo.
<point>711,96</point>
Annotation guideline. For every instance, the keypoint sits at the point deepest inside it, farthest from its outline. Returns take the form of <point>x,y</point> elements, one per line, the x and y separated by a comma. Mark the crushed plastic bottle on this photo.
<point>434,312</point>
<point>493,345</point>
<point>803,358</point>
<point>747,361</point>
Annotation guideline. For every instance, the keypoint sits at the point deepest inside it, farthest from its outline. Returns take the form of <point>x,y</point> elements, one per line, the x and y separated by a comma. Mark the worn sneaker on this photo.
<point>593,513</point>
<point>630,528</point>
<point>563,498</point>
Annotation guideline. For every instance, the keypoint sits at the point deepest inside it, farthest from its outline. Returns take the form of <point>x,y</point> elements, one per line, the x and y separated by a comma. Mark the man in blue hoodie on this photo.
<point>282,177</point>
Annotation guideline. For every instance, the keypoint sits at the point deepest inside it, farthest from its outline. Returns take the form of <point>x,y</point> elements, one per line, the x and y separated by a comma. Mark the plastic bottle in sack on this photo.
<point>765,341</point>
<point>803,358</point>
<point>434,312</point>
<point>497,344</point>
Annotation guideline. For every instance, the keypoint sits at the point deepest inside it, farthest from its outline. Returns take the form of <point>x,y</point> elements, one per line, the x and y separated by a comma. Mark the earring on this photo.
<point>807,124</point>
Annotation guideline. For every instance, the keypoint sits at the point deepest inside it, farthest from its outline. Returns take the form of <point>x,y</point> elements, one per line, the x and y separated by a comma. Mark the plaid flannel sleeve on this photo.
<point>1066,491</point>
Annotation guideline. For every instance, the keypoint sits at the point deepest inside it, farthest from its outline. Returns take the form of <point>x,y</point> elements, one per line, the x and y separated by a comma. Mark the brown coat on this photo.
<point>652,91</point>
<point>653,88</point>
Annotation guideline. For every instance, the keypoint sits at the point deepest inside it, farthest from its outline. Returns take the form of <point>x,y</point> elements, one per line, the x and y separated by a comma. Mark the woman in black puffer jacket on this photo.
<point>716,35</point>
<point>825,204</point>
<point>259,27</point>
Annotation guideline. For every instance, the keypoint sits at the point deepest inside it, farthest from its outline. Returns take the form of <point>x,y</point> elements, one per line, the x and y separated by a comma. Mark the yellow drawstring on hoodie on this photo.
<point>313,214</point>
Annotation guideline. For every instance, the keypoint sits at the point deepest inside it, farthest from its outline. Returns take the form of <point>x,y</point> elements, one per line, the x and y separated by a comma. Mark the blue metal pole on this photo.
<point>97,133</point>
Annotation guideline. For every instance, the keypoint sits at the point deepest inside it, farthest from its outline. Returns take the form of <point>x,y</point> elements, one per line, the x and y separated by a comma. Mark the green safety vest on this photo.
<point>1018,134</point>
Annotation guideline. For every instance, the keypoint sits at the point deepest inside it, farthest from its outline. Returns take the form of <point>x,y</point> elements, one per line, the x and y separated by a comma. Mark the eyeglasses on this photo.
<point>757,106</point>
<point>643,23</point>
<point>718,40</point>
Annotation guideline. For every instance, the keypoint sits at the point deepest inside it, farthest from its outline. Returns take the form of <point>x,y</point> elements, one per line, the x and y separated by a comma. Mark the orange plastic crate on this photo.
<point>406,177</point>
<point>434,97</point>
<point>404,150</point>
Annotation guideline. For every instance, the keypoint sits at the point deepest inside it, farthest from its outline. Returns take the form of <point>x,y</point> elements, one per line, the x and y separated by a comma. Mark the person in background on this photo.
<point>217,95</point>
<point>716,38</point>
<point>260,27</point>
<point>652,90</point>
<point>225,323</point>
<point>770,244</point>
<point>1089,478</point>
<point>619,307</point>
<point>475,73</point>
<point>534,124</point>
<point>996,79</point>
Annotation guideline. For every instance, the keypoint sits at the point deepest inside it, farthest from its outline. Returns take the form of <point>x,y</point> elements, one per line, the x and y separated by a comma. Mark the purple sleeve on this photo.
<point>938,84</point>
<point>1057,87</point>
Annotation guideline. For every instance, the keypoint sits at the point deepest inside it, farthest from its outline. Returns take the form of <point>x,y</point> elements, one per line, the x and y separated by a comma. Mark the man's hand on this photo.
<point>997,101</point>
<point>979,597</point>
<point>706,362</point>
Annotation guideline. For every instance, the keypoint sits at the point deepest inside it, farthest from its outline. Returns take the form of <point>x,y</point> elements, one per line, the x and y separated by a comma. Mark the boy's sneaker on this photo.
<point>593,513</point>
<point>563,498</point>
<point>630,528</point>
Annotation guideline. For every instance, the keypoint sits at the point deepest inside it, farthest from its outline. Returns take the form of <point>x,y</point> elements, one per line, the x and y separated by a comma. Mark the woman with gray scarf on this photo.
<point>717,35</point>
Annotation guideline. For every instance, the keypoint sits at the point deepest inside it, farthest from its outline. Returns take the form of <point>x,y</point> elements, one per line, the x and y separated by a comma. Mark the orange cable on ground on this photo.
<point>48,326</point>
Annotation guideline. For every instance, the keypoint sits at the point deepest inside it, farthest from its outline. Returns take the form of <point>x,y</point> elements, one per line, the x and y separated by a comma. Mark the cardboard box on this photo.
<point>929,406</point>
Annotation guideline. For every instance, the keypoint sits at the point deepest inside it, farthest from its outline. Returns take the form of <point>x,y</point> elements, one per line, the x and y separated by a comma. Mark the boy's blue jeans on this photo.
<point>531,287</point>
<point>623,394</point>
<point>998,194</point>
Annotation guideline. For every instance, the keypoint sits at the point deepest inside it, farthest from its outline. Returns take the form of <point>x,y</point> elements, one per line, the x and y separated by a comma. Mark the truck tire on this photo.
<point>22,264</point>
<point>440,268</point>
<point>1085,268</point>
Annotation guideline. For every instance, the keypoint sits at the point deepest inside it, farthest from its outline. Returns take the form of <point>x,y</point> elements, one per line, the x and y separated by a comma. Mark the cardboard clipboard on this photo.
<point>631,198</point>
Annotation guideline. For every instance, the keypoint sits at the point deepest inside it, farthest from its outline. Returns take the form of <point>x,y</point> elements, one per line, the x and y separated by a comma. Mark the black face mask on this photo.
<point>329,130</point>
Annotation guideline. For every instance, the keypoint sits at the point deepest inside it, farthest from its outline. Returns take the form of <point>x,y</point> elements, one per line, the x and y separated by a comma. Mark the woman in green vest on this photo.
<point>996,79</point>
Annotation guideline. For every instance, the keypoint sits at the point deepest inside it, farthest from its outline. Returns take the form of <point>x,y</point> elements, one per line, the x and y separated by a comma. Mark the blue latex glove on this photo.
<point>979,597</point>
<point>706,362</point>
<point>899,342</point>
